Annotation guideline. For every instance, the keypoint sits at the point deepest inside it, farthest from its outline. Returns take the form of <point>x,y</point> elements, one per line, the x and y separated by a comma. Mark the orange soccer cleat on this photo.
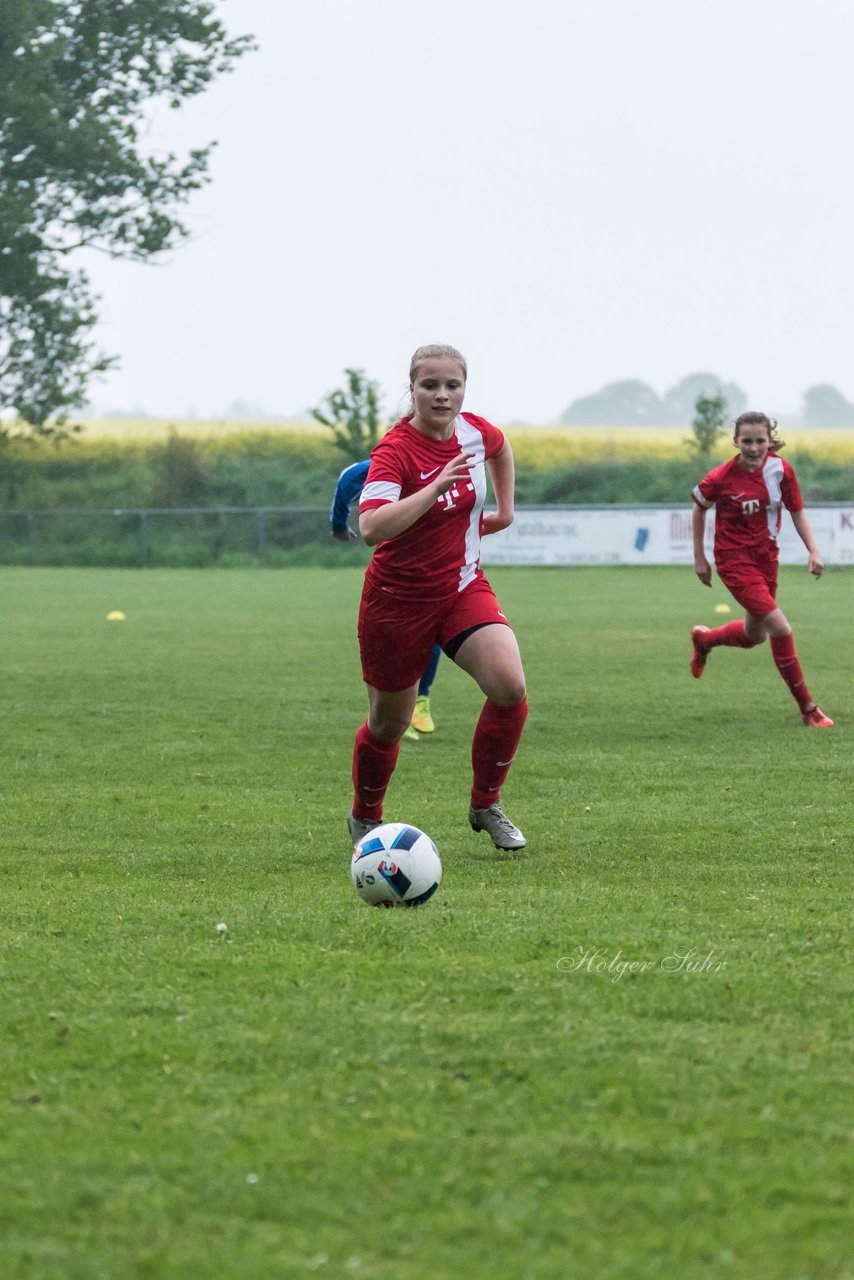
<point>700,652</point>
<point>816,719</point>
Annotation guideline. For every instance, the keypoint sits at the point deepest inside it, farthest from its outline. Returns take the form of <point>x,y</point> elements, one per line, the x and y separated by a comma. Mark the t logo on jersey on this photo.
<point>448,500</point>
<point>751,507</point>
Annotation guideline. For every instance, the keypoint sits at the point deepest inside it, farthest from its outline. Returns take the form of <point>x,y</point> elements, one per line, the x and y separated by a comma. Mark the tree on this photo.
<point>824,406</point>
<point>681,400</point>
<point>76,81</point>
<point>616,405</point>
<point>710,418</point>
<point>352,415</point>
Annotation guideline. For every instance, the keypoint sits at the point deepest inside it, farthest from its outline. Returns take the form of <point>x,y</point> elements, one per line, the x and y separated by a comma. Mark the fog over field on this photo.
<point>573,193</point>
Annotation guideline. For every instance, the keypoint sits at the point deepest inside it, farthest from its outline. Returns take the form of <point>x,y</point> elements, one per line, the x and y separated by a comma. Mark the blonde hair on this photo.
<point>436,351</point>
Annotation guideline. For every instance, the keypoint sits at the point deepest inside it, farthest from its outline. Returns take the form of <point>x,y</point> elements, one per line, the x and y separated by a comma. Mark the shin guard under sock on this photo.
<point>733,634</point>
<point>496,738</point>
<point>373,765</point>
<point>783,649</point>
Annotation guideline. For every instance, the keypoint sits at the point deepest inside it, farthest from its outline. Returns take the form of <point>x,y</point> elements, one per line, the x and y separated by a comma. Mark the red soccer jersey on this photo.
<point>440,553</point>
<point>748,505</point>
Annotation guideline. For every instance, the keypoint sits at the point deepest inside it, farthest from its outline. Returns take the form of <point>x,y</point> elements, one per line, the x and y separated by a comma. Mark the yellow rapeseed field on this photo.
<point>543,447</point>
<point>209,428</point>
<point>537,447</point>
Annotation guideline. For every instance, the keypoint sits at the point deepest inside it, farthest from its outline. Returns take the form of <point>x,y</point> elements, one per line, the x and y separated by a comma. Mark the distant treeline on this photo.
<point>635,403</point>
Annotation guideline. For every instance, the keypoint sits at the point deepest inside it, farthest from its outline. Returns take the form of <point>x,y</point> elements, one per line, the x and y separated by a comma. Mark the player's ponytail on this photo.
<point>755,419</point>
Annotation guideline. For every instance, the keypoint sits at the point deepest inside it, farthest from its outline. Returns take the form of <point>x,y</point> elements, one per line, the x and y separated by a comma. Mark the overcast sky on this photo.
<point>571,191</point>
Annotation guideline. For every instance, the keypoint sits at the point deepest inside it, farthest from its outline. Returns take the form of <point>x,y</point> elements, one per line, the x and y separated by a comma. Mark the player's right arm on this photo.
<point>393,517</point>
<point>702,568</point>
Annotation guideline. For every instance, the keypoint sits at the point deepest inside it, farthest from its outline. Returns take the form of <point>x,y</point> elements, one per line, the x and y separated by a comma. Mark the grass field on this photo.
<point>477,1089</point>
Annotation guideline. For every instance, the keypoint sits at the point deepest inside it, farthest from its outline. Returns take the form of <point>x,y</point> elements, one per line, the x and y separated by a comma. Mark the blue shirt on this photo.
<point>350,484</point>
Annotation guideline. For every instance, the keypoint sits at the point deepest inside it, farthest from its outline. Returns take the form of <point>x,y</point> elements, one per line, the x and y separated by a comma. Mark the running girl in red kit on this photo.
<point>422,508</point>
<point>748,493</point>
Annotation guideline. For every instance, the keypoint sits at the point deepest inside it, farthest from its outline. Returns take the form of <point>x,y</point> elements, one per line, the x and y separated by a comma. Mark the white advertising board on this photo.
<point>843,534</point>
<point>645,535</point>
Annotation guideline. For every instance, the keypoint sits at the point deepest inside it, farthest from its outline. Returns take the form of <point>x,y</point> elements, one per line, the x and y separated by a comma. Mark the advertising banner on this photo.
<point>646,535</point>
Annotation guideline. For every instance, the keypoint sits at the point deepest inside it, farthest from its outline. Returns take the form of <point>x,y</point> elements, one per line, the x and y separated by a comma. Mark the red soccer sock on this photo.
<point>493,748</point>
<point>733,634</point>
<point>783,649</point>
<point>373,765</point>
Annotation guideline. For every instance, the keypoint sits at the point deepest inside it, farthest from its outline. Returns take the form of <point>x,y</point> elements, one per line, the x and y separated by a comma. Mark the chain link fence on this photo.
<point>151,537</point>
<point>196,537</point>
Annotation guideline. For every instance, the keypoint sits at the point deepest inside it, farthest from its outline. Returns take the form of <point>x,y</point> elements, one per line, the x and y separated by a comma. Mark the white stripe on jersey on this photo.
<point>704,502</point>
<point>380,491</point>
<point>471,442</point>
<point>772,474</point>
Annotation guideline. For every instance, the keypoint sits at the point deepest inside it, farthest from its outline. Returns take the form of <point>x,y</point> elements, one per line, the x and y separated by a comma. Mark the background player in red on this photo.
<point>748,493</point>
<point>422,508</point>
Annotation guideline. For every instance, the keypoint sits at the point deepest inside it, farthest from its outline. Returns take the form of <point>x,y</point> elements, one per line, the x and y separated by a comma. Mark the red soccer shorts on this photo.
<point>754,586</point>
<point>396,637</point>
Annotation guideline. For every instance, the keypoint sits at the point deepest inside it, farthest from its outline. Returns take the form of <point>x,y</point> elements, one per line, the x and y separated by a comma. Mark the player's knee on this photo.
<point>388,727</point>
<point>779,629</point>
<point>508,693</point>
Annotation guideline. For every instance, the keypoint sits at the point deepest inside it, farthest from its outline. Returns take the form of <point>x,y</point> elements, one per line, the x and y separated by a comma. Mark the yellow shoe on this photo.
<point>421,718</point>
<point>411,734</point>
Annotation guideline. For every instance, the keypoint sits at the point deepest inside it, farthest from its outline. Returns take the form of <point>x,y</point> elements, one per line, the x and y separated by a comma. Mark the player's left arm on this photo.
<point>815,564</point>
<point>347,490</point>
<point>502,473</point>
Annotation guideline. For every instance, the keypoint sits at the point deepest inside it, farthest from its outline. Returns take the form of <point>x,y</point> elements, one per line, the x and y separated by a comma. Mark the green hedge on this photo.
<point>268,468</point>
<point>662,481</point>
<point>256,469</point>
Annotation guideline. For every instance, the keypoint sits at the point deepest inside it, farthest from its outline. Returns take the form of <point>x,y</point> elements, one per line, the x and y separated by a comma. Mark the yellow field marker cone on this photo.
<point>115,615</point>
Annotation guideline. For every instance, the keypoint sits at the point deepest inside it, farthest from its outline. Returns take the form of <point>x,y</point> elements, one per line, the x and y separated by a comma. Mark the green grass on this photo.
<point>326,1090</point>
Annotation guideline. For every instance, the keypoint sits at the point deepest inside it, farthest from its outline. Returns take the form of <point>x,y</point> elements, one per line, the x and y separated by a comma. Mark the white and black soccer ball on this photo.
<point>396,865</point>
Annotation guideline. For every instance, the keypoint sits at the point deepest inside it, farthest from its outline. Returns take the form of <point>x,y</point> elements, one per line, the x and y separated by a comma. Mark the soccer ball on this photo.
<point>396,865</point>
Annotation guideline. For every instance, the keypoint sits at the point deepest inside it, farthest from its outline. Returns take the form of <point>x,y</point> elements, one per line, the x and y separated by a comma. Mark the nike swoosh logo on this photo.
<point>425,475</point>
<point>501,764</point>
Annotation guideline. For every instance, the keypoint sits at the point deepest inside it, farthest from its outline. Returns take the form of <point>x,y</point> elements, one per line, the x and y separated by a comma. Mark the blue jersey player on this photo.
<point>350,484</point>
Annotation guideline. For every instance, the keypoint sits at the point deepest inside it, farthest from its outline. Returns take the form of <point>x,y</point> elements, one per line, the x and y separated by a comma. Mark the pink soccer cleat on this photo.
<point>816,719</point>
<point>700,653</point>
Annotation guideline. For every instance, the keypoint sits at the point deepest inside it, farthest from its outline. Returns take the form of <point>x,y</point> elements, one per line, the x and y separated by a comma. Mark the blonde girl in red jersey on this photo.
<point>422,509</point>
<point>748,493</point>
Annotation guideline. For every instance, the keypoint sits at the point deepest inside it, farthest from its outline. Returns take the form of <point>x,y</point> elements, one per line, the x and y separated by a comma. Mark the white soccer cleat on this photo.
<point>504,833</point>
